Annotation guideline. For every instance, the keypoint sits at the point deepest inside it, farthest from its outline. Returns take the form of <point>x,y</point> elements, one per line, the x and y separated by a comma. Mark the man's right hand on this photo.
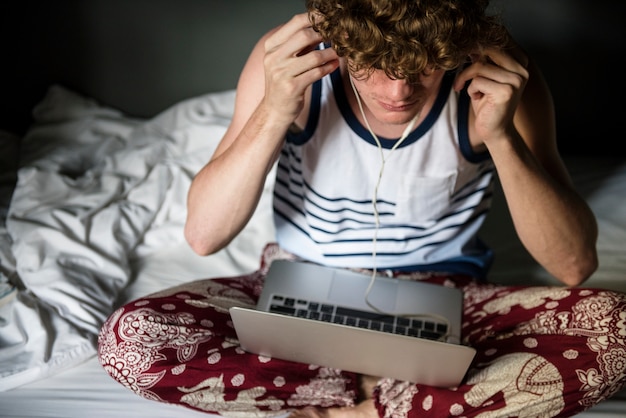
<point>292,64</point>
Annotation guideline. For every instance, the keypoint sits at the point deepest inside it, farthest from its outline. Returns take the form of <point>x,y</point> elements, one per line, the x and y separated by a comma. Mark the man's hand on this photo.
<point>292,64</point>
<point>497,83</point>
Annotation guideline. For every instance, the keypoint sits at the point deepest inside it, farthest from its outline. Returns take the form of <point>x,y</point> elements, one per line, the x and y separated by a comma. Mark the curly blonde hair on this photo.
<point>406,38</point>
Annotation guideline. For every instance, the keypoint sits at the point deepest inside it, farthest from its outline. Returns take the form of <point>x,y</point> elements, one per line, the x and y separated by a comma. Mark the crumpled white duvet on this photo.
<point>96,192</point>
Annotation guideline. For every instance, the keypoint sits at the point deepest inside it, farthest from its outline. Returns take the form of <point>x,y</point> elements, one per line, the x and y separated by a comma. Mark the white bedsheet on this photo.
<point>96,219</point>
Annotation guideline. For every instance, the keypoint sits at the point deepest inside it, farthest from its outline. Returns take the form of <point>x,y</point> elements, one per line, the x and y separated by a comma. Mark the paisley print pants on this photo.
<point>542,352</point>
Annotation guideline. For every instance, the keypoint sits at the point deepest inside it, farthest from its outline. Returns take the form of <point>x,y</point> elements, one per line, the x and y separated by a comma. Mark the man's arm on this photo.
<point>512,114</point>
<point>270,96</point>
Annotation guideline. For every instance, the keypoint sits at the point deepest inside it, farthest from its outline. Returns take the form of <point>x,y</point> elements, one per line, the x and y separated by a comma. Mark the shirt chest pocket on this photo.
<point>423,200</point>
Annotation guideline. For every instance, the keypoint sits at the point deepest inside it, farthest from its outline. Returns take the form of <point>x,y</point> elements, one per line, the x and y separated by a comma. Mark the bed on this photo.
<point>101,132</point>
<point>92,216</point>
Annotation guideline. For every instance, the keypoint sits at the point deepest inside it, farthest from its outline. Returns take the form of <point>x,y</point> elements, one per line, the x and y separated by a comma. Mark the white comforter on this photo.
<point>98,194</point>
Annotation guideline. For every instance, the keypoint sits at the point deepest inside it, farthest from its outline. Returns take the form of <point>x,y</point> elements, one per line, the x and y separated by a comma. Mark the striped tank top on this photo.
<point>433,195</point>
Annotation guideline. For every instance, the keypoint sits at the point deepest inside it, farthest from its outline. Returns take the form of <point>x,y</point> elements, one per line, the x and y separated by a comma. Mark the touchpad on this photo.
<point>350,290</point>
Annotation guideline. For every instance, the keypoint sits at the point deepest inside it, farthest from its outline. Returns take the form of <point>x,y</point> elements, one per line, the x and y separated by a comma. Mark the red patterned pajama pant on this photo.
<point>541,352</point>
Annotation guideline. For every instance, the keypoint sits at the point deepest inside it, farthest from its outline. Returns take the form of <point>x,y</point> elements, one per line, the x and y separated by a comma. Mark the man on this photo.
<point>439,89</point>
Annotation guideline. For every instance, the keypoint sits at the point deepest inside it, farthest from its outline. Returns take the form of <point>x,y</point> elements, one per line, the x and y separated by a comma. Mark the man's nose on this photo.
<point>399,89</point>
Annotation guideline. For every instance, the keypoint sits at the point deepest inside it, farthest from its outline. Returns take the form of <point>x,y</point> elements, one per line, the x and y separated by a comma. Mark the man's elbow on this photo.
<point>578,271</point>
<point>199,243</point>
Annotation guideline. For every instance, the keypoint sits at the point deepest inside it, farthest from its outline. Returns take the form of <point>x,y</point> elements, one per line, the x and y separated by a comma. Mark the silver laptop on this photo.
<point>320,315</point>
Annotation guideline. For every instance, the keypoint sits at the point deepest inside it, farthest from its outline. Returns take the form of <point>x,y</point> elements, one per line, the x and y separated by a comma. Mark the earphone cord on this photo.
<point>383,159</point>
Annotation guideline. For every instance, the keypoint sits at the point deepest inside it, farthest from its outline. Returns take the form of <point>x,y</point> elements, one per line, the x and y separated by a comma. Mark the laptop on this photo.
<point>320,315</point>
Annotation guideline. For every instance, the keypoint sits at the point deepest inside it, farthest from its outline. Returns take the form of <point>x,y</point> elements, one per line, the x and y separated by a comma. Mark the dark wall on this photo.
<point>142,56</point>
<point>580,46</point>
<point>137,55</point>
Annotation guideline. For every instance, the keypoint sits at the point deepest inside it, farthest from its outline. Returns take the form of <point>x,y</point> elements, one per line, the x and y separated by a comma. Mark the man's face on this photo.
<point>396,101</point>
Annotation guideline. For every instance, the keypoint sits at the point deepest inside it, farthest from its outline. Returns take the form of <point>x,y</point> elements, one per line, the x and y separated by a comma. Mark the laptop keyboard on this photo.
<point>412,327</point>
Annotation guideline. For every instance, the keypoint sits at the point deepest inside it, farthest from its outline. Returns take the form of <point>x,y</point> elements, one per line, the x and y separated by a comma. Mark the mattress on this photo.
<point>92,204</point>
